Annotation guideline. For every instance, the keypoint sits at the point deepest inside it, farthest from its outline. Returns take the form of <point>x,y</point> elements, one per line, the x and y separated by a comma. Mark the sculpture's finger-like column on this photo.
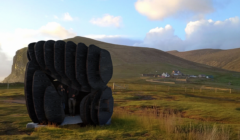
<point>28,80</point>
<point>70,70</point>
<point>49,59</point>
<point>31,52</point>
<point>39,53</point>
<point>59,61</point>
<point>81,72</point>
<point>105,108</point>
<point>85,111</point>
<point>105,66</point>
<point>93,75</point>
<point>28,56</point>
<point>94,106</point>
<point>40,83</point>
<point>53,105</point>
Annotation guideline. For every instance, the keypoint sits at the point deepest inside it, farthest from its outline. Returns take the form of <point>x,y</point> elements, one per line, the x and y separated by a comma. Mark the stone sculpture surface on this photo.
<point>84,69</point>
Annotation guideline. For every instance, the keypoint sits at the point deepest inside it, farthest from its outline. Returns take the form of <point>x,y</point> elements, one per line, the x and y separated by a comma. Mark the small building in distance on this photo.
<point>158,75</point>
<point>176,72</point>
<point>165,75</point>
<point>201,76</point>
<point>209,76</point>
<point>151,75</point>
<point>192,76</point>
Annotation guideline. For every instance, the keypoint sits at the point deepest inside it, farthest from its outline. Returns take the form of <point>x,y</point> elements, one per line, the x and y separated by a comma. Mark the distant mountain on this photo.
<point>128,61</point>
<point>18,68</point>
<point>224,59</point>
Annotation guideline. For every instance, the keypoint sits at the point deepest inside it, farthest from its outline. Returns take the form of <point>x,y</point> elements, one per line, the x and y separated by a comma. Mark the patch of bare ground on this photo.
<point>144,97</point>
<point>169,98</point>
<point>10,129</point>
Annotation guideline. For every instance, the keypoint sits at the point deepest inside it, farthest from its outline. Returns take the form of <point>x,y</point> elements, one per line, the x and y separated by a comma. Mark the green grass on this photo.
<point>141,111</point>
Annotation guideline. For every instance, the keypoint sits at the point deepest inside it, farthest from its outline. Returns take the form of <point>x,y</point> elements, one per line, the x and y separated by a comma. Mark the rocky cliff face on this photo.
<point>18,68</point>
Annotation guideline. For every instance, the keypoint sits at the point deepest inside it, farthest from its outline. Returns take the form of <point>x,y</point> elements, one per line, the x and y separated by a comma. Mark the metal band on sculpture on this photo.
<point>85,69</point>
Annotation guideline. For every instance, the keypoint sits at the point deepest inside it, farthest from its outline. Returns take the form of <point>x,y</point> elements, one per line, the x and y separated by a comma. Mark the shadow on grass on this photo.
<point>13,119</point>
<point>212,98</point>
<point>13,97</point>
<point>238,109</point>
<point>140,97</point>
<point>116,124</point>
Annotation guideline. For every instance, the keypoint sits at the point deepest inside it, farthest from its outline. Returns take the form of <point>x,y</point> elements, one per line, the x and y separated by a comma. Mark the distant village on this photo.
<point>177,73</point>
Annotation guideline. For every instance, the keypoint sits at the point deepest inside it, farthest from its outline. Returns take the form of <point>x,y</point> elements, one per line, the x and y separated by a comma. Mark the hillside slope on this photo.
<point>128,62</point>
<point>224,59</point>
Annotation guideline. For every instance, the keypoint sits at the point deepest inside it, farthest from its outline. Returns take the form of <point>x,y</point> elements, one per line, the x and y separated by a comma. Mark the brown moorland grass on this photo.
<point>138,114</point>
<point>169,124</point>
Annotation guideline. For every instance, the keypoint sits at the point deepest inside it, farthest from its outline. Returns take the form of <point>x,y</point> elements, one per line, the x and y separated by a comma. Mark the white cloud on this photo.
<point>107,20</point>
<point>102,36</point>
<point>114,39</point>
<point>162,38</point>
<point>12,41</point>
<point>5,69</point>
<point>55,30</point>
<point>160,9</point>
<point>199,35</point>
<point>55,17</point>
<point>213,34</point>
<point>67,17</point>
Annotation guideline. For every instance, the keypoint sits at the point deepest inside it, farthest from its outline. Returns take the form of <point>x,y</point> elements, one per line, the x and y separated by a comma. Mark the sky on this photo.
<point>181,25</point>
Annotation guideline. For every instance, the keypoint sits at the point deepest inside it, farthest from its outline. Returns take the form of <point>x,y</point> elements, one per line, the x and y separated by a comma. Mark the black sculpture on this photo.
<point>85,69</point>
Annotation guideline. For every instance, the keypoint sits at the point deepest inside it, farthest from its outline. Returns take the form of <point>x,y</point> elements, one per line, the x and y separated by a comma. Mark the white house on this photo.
<point>176,72</point>
<point>201,76</point>
<point>165,75</point>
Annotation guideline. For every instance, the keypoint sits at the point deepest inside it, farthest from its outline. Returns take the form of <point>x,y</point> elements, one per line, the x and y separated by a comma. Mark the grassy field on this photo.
<point>141,111</point>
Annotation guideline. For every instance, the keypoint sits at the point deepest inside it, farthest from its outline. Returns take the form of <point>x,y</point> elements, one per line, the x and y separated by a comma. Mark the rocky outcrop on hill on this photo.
<point>18,68</point>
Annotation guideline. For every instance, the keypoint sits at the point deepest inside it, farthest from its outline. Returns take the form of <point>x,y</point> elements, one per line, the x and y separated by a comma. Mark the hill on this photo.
<point>224,59</point>
<point>128,62</point>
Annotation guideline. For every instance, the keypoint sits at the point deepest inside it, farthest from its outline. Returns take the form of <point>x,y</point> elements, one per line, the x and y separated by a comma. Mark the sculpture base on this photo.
<point>67,120</point>
<point>72,120</point>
